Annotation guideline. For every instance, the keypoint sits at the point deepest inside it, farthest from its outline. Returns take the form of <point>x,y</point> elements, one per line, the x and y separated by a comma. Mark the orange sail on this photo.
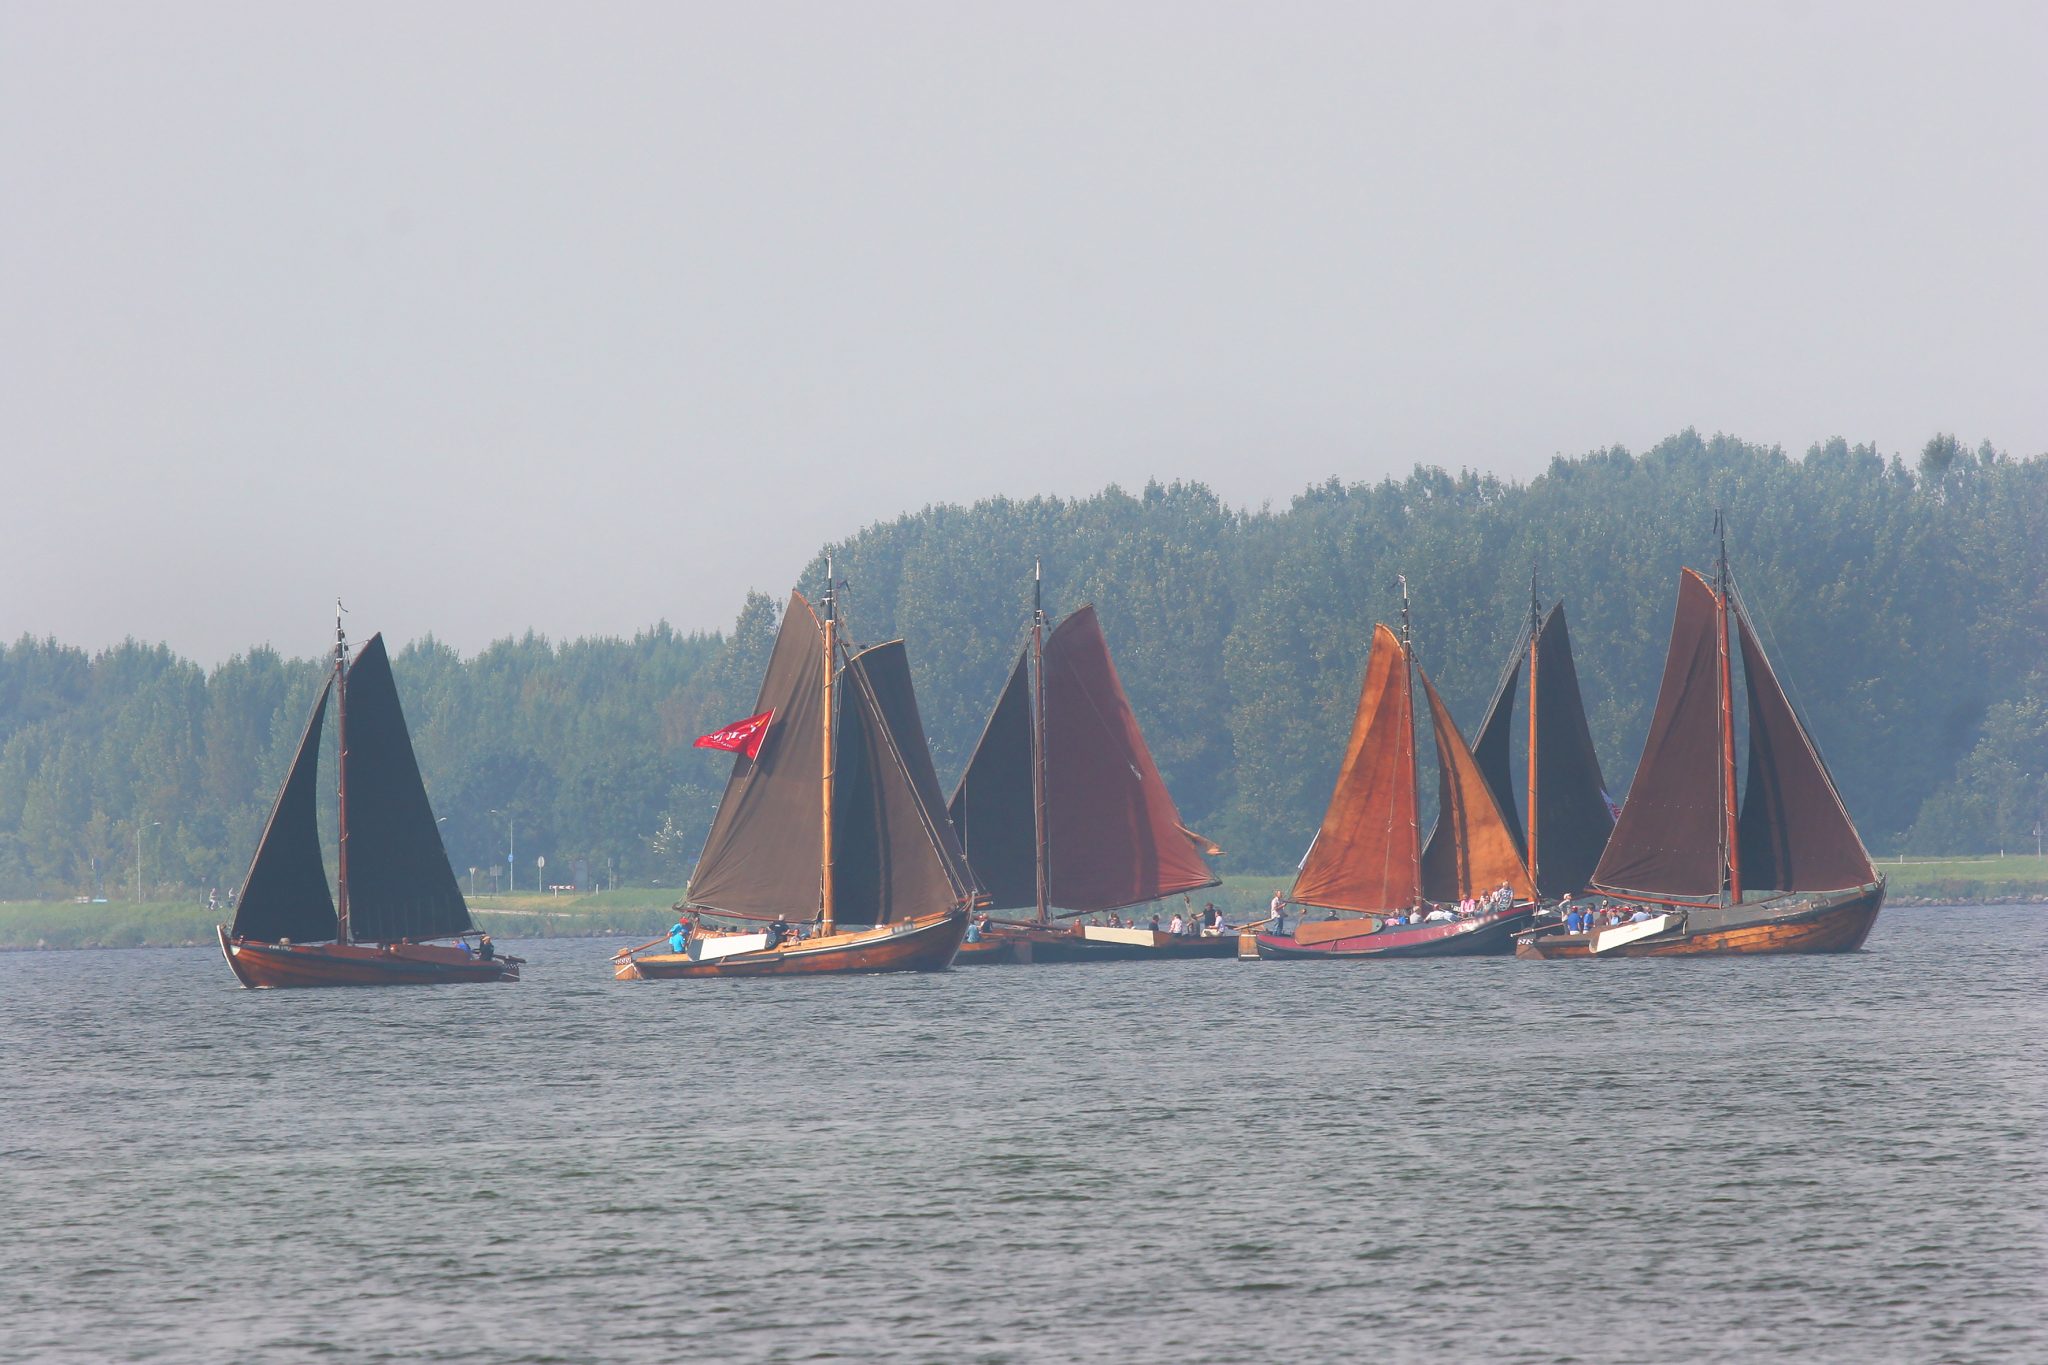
<point>1474,850</point>
<point>1366,855</point>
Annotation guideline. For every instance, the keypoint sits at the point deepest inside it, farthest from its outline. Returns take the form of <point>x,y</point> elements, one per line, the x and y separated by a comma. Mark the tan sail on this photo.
<point>1474,851</point>
<point>1366,855</point>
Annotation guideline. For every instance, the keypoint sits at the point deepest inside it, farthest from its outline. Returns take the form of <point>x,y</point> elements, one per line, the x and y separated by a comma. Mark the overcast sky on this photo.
<point>578,317</point>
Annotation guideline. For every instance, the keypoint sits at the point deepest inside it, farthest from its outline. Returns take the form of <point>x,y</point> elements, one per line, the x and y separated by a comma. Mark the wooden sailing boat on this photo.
<point>834,831</point>
<point>1685,855</point>
<point>394,890</point>
<point>1061,805</point>
<point>1569,814</point>
<point>1367,862</point>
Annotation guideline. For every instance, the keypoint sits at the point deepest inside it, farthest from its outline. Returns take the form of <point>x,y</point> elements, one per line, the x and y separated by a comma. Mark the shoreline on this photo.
<point>184,931</point>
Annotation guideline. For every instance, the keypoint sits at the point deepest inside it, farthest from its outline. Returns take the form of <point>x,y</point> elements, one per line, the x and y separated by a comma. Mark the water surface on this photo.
<point>1835,1158</point>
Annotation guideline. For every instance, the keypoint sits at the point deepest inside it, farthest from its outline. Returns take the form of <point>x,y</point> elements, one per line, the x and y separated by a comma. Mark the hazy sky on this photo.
<point>578,317</point>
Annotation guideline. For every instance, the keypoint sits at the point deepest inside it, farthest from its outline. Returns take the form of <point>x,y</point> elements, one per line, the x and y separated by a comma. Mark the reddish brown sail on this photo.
<point>1366,855</point>
<point>1114,836</point>
<point>760,859</point>
<point>1667,839</point>
<point>1795,833</point>
<point>1473,849</point>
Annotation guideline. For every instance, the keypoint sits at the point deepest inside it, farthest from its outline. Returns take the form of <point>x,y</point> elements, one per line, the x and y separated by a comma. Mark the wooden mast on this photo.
<point>341,776</point>
<point>1414,751</point>
<point>825,761</point>
<point>1534,625</point>
<point>1042,853</point>
<point>1731,830</point>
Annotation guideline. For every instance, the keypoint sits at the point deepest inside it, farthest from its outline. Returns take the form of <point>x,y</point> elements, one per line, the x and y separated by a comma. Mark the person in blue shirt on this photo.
<point>678,937</point>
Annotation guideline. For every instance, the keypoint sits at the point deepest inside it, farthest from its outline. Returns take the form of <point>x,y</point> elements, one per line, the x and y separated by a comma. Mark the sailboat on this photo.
<point>832,832</point>
<point>394,890</point>
<point>1367,862</point>
<point>1061,805</point>
<point>1782,872</point>
<point>1569,814</point>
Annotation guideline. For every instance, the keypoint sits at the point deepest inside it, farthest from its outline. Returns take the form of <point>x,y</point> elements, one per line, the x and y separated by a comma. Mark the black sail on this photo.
<point>1667,838</point>
<point>285,894</point>
<point>1573,819</point>
<point>761,858</point>
<point>1495,742</point>
<point>894,855</point>
<point>991,808</point>
<point>1795,833</point>
<point>400,884</point>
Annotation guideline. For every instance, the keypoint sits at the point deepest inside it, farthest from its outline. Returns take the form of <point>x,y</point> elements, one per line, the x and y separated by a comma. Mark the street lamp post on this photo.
<point>511,869</point>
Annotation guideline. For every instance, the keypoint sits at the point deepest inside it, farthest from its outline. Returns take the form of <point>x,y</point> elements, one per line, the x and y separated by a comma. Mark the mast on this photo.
<point>1042,853</point>
<point>1408,707</point>
<point>1731,836</point>
<point>341,775</point>
<point>825,760</point>
<point>1535,626</point>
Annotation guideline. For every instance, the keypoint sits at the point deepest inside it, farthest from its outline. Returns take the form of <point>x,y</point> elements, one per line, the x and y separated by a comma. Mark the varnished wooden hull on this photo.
<point>1014,944</point>
<point>262,966</point>
<point>1827,922</point>
<point>922,945</point>
<point>1481,936</point>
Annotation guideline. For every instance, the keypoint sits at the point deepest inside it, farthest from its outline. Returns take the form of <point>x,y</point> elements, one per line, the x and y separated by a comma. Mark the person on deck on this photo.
<point>1155,921</point>
<point>1175,925</point>
<point>485,949</point>
<point>678,937</point>
<point>1279,916</point>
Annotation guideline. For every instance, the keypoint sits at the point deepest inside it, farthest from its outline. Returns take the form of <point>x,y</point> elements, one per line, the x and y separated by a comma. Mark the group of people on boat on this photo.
<point>1587,919</point>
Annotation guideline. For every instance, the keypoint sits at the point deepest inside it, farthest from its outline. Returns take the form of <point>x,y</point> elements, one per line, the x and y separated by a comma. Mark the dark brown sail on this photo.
<point>1114,836</point>
<point>1472,850</point>
<point>894,855</point>
<point>761,858</point>
<point>400,883</point>
<point>1573,819</point>
<point>1667,838</point>
<point>991,808</point>
<point>1795,833</point>
<point>285,895</point>
<point>1365,856</point>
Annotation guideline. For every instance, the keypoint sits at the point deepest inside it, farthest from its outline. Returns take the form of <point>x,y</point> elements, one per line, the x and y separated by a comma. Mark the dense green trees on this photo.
<point>1905,608</point>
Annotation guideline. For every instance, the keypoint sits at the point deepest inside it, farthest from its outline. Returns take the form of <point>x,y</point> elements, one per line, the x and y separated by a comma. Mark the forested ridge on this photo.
<point>1905,605</point>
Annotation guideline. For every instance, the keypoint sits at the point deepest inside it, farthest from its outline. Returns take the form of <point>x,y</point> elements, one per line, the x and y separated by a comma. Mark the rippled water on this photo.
<point>1834,1158</point>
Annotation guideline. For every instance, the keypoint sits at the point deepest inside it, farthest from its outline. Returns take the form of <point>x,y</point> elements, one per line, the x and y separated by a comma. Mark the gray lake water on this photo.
<point>1836,1158</point>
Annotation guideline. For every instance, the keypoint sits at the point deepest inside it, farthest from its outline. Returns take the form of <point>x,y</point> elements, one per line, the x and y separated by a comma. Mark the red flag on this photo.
<point>740,737</point>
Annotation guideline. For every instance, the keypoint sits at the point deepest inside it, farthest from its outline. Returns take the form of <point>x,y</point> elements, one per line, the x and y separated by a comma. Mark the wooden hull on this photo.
<point>1014,944</point>
<point>262,966</point>
<point>1481,936</point>
<point>1825,922</point>
<point>920,945</point>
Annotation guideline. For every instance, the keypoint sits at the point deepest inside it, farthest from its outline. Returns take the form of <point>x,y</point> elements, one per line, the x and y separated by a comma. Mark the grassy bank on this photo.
<point>641,912</point>
<point>1965,880</point>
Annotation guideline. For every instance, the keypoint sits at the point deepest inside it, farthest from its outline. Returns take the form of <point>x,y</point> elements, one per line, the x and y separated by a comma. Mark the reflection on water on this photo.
<point>1829,1158</point>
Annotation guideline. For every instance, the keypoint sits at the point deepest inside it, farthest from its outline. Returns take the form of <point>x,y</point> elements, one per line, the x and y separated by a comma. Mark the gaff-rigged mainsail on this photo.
<point>760,859</point>
<point>1793,831</point>
<point>400,882</point>
<point>285,895</point>
<point>1366,855</point>
<point>1113,835</point>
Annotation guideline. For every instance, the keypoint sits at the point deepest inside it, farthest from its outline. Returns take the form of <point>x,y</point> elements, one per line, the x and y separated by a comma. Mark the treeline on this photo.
<point>1906,607</point>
